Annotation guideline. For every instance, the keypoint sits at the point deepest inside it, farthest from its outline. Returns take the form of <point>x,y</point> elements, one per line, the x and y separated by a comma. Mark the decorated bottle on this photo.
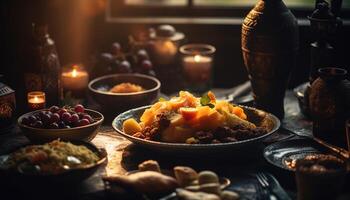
<point>43,71</point>
<point>270,42</point>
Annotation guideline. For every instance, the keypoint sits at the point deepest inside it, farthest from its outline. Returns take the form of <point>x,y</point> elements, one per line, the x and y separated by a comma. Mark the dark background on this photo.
<point>80,31</point>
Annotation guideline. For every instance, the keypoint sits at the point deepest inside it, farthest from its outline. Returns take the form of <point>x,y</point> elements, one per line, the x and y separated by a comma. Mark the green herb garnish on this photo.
<point>161,99</point>
<point>205,101</point>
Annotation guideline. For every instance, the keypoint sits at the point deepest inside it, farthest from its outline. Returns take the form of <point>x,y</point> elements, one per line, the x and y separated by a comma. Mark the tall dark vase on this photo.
<point>270,40</point>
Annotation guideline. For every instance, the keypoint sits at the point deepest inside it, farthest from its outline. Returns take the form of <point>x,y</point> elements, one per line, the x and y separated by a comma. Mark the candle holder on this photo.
<point>75,80</point>
<point>36,100</point>
<point>197,64</point>
<point>165,41</point>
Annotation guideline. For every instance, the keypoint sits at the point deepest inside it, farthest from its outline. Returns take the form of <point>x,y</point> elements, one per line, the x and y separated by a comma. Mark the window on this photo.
<point>297,3</point>
<point>291,3</point>
<point>197,11</point>
<point>156,2</point>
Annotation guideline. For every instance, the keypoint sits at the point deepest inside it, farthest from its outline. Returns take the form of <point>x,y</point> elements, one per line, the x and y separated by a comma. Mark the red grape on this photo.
<point>61,111</point>
<point>74,119</point>
<point>146,65</point>
<point>142,55</point>
<point>106,58</point>
<point>37,124</point>
<point>46,118</point>
<point>66,117</point>
<point>37,116</point>
<point>88,117</point>
<point>41,114</point>
<point>55,118</point>
<point>53,126</point>
<point>116,48</point>
<point>81,115</point>
<point>79,108</point>
<point>54,109</point>
<point>61,124</point>
<point>124,67</point>
<point>25,121</point>
<point>83,122</point>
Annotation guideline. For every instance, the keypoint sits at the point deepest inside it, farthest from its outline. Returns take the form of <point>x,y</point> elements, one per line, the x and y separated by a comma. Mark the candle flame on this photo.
<point>74,73</point>
<point>36,99</point>
<point>197,58</point>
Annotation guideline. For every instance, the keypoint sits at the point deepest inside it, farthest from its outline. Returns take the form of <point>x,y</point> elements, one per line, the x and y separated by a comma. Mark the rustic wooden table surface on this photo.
<point>124,156</point>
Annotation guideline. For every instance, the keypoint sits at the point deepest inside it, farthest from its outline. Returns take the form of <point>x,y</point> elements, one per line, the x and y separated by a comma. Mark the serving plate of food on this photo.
<point>57,162</point>
<point>186,123</point>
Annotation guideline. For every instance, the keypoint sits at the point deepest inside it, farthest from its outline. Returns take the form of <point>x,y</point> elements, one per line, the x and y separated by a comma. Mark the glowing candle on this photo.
<point>197,68</point>
<point>197,64</point>
<point>76,79</point>
<point>36,100</point>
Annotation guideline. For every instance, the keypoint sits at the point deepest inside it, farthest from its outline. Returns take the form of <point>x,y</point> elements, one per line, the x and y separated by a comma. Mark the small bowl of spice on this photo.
<point>320,178</point>
<point>120,92</point>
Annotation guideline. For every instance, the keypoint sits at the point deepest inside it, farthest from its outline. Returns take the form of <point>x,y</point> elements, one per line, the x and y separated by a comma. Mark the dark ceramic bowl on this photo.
<point>99,89</point>
<point>258,117</point>
<point>40,135</point>
<point>70,176</point>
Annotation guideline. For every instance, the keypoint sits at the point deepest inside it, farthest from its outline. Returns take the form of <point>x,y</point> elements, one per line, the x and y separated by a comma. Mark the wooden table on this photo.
<point>124,156</point>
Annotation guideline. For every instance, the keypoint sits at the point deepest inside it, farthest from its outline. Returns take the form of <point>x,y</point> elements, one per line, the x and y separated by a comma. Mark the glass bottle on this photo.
<point>7,107</point>
<point>43,72</point>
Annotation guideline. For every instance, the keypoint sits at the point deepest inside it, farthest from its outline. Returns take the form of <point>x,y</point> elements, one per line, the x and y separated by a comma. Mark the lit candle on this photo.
<point>76,79</point>
<point>36,100</point>
<point>197,63</point>
<point>197,68</point>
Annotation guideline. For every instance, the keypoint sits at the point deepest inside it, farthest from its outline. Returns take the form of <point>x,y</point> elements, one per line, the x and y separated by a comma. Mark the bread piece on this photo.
<point>183,194</point>
<point>212,188</point>
<point>229,195</point>
<point>148,182</point>
<point>185,176</point>
<point>193,188</point>
<point>205,177</point>
<point>149,165</point>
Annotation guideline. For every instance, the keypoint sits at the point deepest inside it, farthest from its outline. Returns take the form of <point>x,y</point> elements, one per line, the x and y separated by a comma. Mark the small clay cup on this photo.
<point>320,179</point>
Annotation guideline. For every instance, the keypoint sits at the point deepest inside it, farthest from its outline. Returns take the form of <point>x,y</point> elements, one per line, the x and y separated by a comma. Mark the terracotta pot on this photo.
<point>329,105</point>
<point>270,40</point>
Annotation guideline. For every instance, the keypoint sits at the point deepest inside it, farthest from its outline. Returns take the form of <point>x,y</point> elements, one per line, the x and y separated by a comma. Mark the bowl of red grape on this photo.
<point>66,123</point>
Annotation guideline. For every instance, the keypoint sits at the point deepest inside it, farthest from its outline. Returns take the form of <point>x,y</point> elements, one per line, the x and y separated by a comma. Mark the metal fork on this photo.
<point>262,179</point>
